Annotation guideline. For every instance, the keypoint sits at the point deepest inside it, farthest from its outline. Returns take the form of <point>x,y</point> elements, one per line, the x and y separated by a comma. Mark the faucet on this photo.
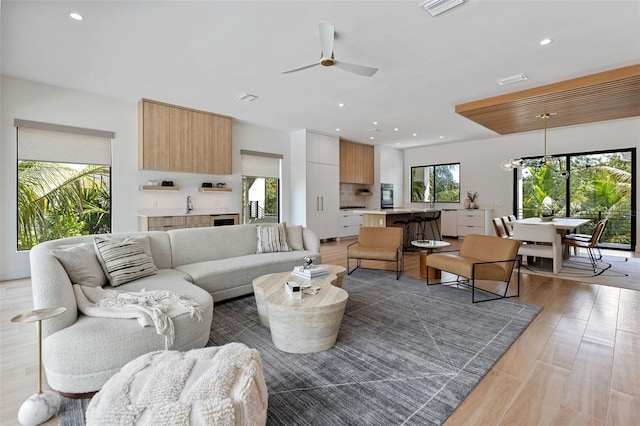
<point>189,204</point>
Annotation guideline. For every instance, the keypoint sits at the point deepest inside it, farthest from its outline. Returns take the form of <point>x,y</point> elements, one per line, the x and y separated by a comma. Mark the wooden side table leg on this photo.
<point>433,273</point>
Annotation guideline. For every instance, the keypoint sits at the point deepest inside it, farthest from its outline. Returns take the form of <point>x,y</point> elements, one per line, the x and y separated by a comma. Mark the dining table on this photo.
<point>563,225</point>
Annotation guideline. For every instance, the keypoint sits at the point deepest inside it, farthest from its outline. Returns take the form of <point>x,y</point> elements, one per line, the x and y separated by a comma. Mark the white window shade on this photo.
<point>62,144</point>
<point>260,164</point>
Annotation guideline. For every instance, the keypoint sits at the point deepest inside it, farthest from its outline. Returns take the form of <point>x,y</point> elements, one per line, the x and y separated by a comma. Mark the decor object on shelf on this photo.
<point>471,198</point>
<point>40,406</point>
<point>207,185</point>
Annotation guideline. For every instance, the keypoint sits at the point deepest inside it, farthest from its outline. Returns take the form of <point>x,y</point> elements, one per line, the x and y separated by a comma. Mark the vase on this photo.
<point>467,204</point>
<point>474,205</point>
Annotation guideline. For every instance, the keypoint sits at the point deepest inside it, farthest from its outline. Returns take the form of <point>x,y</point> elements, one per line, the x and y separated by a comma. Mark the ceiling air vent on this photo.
<point>247,97</point>
<point>436,7</point>
<point>512,79</point>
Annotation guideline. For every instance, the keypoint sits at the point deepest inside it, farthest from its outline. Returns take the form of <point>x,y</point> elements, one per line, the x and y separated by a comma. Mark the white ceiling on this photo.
<point>202,54</point>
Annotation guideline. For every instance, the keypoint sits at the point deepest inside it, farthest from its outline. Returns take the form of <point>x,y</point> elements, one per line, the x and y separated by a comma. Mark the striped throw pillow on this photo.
<point>123,260</point>
<point>272,238</point>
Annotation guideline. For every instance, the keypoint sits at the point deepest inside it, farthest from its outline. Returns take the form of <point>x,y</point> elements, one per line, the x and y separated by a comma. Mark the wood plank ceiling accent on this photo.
<point>603,96</point>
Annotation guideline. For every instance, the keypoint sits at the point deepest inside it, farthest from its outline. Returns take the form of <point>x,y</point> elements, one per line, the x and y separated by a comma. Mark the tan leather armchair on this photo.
<point>481,257</point>
<point>377,243</point>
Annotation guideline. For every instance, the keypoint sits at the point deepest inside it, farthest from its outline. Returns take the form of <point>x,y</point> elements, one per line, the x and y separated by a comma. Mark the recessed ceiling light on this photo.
<point>371,137</point>
<point>396,129</point>
<point>337,130</point>
<point>397,143</point>
<point>545,41</point>
<point>340,104</point>
<point>441,137</point>
<point>76,16</point>
<point>375,123</point>
<point>415,134</point>
<point>512,79</point>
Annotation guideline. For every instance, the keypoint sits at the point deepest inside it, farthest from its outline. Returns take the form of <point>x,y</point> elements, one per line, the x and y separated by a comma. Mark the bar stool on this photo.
<point>418,221</point>
<point>434,219</point>
<point>406,231</point>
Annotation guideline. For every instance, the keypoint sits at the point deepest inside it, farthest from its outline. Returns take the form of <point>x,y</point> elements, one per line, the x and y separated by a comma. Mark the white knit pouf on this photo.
<point>211,386</point>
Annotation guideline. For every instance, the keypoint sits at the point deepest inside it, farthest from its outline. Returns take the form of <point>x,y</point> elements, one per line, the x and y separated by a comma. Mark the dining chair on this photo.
<point>507,228</point>
<point>498,227</point>
<point>588,242</point>
<point>539,240</point>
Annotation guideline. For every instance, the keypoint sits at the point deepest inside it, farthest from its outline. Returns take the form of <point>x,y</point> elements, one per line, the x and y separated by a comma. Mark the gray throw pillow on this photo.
<point>81,263</point>
<point>294,237</point>
<point>123,261</point>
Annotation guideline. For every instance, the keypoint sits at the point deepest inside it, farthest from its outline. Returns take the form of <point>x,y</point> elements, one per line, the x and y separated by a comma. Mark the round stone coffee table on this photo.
<point>428,247</point>
<point>305,325</point>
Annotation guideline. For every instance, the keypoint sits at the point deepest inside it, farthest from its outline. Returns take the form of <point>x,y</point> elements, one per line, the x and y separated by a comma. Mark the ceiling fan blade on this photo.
<point>326,38</point>
<point>356,69</point>
<point>300,68</point>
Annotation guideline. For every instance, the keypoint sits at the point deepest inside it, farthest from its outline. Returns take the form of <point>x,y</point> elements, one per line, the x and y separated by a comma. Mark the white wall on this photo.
<point>480,160</point>
<point>39,102</point>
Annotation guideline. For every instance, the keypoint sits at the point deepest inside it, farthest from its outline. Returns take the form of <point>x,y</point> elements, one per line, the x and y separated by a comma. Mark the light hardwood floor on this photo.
<point>578,363</point>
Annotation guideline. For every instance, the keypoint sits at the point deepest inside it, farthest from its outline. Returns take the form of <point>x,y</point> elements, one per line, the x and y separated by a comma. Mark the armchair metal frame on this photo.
<point>470,281</point>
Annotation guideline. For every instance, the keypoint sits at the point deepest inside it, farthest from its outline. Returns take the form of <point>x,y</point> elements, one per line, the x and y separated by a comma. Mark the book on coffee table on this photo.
<point>309,272</point>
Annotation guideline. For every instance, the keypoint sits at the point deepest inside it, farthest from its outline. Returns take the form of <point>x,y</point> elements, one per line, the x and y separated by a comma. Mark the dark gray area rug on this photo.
<point>406,354</point>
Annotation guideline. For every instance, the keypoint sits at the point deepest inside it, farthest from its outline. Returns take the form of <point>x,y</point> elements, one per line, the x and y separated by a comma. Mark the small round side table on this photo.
<point>40,406</point>
<point>428,246</point>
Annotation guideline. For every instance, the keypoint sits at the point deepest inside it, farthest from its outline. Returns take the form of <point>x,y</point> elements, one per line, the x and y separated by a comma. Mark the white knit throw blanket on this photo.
<point>150,308</point>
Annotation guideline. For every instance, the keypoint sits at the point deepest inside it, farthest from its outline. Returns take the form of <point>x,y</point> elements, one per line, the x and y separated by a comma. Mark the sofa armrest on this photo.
<point>51,288</point>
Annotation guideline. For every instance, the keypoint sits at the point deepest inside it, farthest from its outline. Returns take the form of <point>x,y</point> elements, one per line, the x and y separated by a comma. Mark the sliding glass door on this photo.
<point>594,185</point>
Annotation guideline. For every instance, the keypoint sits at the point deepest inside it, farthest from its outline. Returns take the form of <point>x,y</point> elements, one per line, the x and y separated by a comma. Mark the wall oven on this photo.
<point>386,195</point>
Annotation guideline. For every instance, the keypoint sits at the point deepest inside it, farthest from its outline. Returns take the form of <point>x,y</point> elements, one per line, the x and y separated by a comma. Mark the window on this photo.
<point>437,183</point>
<point>593,185</point>
<point>260,187</point>
<point>64,182</point>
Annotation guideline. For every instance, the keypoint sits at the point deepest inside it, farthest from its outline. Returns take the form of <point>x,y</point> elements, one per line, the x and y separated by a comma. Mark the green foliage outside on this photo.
<point>58,200</point>
<point>271,195</point>
<point>599,187</point>
<point>444,183</point>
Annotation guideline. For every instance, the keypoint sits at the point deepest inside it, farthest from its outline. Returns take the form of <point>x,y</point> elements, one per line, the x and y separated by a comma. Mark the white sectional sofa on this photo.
<point>80,352</point>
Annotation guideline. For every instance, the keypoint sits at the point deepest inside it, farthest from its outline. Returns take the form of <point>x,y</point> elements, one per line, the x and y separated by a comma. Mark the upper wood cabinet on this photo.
<point>178,139</point>
<point>356,162</point>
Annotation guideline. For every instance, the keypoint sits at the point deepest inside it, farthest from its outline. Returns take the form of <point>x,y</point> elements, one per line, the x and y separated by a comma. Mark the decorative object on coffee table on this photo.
<point>40,406</point>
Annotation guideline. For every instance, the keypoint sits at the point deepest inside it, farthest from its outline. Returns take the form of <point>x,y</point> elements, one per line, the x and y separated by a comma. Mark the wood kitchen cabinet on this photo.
<point>177,139</point>
<point>356,162</point>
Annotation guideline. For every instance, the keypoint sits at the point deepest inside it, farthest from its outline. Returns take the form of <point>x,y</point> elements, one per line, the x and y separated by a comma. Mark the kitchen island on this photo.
<point>386,217</point>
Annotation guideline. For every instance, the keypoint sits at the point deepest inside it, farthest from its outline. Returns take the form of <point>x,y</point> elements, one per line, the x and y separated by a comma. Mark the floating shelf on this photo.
<point>214,189</point>
<point>158,188</point>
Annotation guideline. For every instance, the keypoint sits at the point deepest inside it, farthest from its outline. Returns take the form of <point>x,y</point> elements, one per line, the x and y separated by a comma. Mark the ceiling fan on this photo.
<point>327,33</point>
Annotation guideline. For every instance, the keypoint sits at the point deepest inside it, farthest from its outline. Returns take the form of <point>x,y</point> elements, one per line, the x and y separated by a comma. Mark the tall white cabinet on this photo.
<point>315,186</point>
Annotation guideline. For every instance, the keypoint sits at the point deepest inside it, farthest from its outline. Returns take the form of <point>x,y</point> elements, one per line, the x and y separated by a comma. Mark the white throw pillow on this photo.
<point>81,263</point>
<point>294,237</point>
<point>272,238</point>
<point>123,261</point>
